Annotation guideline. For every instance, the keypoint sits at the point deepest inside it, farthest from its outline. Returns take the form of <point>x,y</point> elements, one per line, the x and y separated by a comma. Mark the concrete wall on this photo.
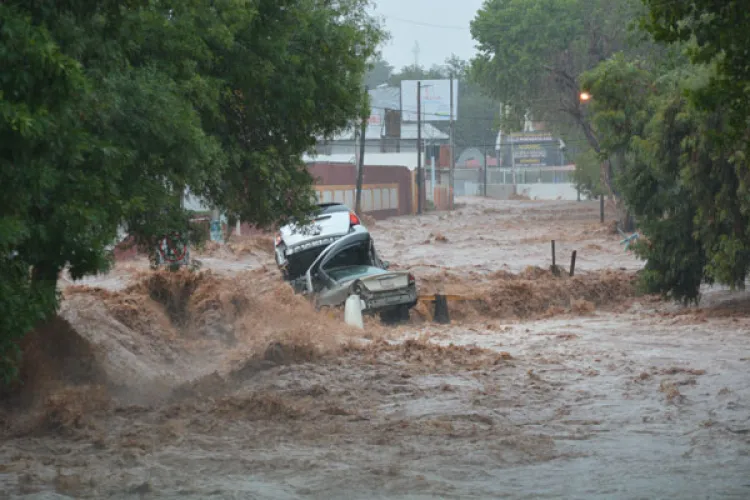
<point>540,191</point>
<point>500,191</point>
<point>543,191</point>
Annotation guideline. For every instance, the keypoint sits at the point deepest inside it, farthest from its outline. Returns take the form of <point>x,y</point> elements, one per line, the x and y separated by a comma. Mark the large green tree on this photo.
<point>110,110</point>
<point>689,179</point>
<point>379,72</point>
<point>718,35</point>
<point>533,52</point>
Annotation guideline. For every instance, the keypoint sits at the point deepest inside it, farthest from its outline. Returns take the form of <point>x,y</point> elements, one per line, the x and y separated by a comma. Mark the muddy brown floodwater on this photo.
<point>223,384</point>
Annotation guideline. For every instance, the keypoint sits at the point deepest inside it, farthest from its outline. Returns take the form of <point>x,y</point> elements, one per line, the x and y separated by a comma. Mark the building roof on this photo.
<point>382,98</point>
<point>408,160</point>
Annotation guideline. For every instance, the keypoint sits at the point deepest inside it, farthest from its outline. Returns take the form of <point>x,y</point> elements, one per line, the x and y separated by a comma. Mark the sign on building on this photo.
<point>435,97</point>
<point>530,148</point>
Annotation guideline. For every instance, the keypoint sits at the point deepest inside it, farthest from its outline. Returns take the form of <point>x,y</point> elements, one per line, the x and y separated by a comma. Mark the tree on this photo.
<point>687,178</point>
<point>686,242</point>
<point>380,72</point>
<point>683,173</point>
<point>533,52</point>
<point>111,109</point>
<point>718,32</point>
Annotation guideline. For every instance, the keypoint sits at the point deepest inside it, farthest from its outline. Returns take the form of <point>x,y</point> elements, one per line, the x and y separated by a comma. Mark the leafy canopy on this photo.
<point>680,126</point>
<point>110,110</point>
<point>531,55</point>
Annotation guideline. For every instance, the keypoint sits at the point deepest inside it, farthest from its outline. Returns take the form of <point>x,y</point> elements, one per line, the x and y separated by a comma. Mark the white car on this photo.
<point>297,247</point>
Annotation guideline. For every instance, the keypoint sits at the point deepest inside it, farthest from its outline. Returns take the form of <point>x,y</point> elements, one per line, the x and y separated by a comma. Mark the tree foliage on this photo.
<point>718,35</point>
<point>532,54</point>
<point>110,110</point>
<point>684,147</point>
<point>690,183</point>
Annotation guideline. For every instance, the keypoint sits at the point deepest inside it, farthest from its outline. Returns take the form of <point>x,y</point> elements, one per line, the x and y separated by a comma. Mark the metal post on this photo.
<point>420,176</point>
<point>361,167</point>
<point>512,160</point>
<point>485,175</point>
<point>601,208</point>
<point>432,172</point>
<point>573,263</point>
<point>484,152</point>
<point>554,268</point>
<point>452,176</point>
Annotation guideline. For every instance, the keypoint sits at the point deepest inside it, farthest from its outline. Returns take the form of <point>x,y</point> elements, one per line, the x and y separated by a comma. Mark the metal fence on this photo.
<point>504,183</point>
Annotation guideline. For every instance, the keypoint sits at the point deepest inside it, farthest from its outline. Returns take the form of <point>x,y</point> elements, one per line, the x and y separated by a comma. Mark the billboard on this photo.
<point>436,99</point>
<point>530,148</point>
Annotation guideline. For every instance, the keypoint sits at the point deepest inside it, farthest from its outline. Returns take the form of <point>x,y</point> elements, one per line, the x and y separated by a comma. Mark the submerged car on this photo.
<point>351,266</point>
<point>297,247</point>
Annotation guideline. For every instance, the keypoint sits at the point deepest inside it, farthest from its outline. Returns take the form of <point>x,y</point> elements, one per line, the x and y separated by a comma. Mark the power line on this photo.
<point>427,25</point>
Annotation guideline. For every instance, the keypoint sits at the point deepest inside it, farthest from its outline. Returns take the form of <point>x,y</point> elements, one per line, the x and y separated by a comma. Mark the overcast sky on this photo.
<point>440,26</point>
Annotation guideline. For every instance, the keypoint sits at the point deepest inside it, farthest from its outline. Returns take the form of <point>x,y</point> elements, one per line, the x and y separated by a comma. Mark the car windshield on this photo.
<point>349,273</point>
<point>321,210</point>
<point>330,208</point>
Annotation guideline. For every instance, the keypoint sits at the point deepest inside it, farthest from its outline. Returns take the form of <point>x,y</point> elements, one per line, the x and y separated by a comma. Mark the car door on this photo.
<point>315,278</point>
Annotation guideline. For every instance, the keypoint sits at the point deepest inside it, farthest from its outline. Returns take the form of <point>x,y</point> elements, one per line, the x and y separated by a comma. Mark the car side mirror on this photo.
<point>386,264</point>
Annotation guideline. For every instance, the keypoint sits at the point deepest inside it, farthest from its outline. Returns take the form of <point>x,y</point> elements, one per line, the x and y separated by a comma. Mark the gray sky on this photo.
<point>440,26</point>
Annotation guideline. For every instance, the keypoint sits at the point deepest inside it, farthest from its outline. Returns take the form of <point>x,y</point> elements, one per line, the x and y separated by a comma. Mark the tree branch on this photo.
<point>572,83</point>
<point>587,130</point>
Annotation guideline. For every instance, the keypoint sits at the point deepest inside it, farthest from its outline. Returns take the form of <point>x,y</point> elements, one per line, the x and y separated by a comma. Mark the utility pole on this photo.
<point>485,170</point>
<point>361,169</point>
<point>512,160</point>
<point>452,175</point>
<point>420,176</point>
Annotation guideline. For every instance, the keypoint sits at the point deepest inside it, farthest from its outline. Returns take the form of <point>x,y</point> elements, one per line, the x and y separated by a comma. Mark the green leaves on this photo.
<point>532,53</point>
<point>109,110</point>
<point>687,182</point>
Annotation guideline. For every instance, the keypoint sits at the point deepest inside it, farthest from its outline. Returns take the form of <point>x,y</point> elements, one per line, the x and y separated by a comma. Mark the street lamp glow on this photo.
<point>585,96</point>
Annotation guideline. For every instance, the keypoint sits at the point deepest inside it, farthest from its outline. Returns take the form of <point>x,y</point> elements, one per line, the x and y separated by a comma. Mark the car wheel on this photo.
<point>403,313</point>
<point>395,316</point>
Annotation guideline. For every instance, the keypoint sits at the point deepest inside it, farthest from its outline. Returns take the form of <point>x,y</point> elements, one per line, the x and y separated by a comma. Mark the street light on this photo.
<point>584,96</point>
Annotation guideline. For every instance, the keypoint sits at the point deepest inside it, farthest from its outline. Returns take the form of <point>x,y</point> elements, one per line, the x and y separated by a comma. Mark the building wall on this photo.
<point>347,147</point>
<point>386,190</point>
<point>371,147</point>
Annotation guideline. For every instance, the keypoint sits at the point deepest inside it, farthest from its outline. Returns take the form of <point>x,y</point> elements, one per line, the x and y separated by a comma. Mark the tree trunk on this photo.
<point>627,222</point>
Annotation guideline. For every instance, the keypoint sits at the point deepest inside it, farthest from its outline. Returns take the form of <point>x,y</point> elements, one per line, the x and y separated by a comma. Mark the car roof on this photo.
<point>330,208</point>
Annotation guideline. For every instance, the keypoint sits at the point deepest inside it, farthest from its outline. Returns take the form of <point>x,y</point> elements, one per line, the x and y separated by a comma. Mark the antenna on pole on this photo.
<point>415,51</point>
